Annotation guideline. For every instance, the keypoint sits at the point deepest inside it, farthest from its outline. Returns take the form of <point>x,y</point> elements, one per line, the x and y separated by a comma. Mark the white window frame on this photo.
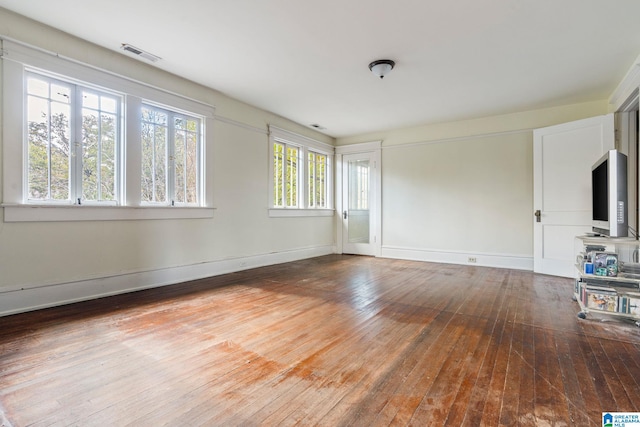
<point>304,146</point>
<point>16,60</point>
<point>170,156</point>
<point>327,178</point>
<point>75,164</point>
<point>293,203</point>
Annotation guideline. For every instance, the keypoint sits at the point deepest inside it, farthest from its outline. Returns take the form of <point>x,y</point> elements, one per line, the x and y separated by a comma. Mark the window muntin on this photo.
<point>285,175</point>
<point>73,138</point>
<point>317,180</point>
<point>100,145</point>
<point>155,130</point>
<point>186,158</point>
<point>171,144</point>
<point>292,177</point>
<point>74,143</point>
<point>359,171</point>
<point>278,174</point>
<point>300,175</point>
<point>19,62</point>
<point>48,134</point>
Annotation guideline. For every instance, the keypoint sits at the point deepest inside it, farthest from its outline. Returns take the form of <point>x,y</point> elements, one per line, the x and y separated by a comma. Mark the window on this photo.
<point>317,180</point>
<point>301,175</point>
<point>84,144</point>
<point>359,185</point>
<point>170,157</point>
<point>73,139</point>
<point>285,178</point>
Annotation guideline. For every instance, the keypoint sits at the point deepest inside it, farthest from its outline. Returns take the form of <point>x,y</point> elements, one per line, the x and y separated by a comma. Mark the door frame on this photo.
<point>374,147</point>
<point>627,134</point>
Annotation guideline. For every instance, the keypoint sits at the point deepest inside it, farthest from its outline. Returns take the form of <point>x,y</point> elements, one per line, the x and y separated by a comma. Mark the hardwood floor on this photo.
<point>335,340</point>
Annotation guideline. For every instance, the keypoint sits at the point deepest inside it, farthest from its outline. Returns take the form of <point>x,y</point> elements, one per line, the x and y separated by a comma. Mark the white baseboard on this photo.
<point>24,299</point>
<point>517,262</point>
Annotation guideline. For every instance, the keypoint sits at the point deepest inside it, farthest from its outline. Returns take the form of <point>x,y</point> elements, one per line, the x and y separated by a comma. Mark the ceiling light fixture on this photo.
<point>381,67</point>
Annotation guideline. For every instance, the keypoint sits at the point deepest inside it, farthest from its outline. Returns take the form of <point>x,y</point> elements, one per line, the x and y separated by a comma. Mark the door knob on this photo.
<point>538,214</point>
<point>344,214</point>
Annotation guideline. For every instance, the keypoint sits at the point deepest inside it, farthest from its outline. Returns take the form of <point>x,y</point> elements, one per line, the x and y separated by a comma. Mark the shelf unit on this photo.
<point>608,282</point>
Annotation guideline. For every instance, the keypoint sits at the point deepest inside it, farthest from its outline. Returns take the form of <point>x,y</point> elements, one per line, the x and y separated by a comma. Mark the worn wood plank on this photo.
<point>335,340</point>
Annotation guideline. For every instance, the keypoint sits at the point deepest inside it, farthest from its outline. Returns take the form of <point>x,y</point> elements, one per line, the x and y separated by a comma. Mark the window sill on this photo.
<point>41,213</point>
<point>285,213</point>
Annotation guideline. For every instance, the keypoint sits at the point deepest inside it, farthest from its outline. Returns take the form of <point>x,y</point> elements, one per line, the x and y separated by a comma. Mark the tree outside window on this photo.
<point>73,137</point>
<point>170,157</point>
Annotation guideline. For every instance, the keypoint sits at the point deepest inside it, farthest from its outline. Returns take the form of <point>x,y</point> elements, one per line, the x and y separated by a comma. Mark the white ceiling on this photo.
<point>307,60</point>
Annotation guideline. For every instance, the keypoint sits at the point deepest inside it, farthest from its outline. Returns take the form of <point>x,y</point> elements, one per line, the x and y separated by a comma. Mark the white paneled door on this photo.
<point>562,160</point>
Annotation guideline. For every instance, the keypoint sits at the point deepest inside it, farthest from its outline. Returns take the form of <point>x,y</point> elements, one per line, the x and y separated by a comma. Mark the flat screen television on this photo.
<point>609,195</point>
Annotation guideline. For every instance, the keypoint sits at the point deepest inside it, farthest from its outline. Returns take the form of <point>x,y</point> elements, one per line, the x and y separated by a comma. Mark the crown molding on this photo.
<point>627,91</point>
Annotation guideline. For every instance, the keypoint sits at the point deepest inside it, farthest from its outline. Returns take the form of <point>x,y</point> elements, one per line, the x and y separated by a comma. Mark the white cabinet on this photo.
<point>608,282</point>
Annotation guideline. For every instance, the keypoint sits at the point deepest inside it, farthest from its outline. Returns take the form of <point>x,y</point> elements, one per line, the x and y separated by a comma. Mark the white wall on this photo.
<point>461,190</point>
<point>450,191</point>
<point>471,196</point>
<point>47,263</point>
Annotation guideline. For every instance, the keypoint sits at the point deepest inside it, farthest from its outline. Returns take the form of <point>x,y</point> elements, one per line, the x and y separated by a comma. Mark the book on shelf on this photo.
<point>633,306</point>
<point>602,301</point>
<point>629,304</point>
<point>600,288</point>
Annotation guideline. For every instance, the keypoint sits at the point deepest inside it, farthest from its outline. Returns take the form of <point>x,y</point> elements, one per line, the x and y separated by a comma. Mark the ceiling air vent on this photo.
<point>139,52</point>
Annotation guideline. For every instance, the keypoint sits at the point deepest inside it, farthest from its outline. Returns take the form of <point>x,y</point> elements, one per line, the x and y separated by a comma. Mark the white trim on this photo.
<point>459,138</point>
<point>241,125</point>
<point>17,58</point>
<point>604,128</point>
<point>363,147</point>
<point>20,299</point>
<point>338,202</point>
<point>512,261</point>
<point>283,135</point>
<point>374,147</point>
<point>12,151</point>
<point>289,212</point>
<point>626,138</point>
<point>605,122</point>
<point>34,213</point>
<point>32,56</point>
<point>303,145</point>
<point>627,89</point>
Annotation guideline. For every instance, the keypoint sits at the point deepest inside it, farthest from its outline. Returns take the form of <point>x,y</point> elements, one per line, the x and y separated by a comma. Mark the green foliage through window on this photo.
<point>285,175</point>
<point>317,180</point>
<point>301,175</point>
<point>67,161</point>
<point>170,156</point>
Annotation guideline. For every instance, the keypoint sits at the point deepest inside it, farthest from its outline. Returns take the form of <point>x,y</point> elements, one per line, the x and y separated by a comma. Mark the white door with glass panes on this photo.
<point>562,160</point>
<point>358,195</point>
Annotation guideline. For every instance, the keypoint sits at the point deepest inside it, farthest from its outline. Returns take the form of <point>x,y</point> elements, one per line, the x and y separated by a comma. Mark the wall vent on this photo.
<point>139,52</point>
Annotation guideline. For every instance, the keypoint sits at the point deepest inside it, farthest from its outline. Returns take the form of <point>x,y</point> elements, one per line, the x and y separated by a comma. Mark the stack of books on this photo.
<point>608,299</point>
<point>630,270</point>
